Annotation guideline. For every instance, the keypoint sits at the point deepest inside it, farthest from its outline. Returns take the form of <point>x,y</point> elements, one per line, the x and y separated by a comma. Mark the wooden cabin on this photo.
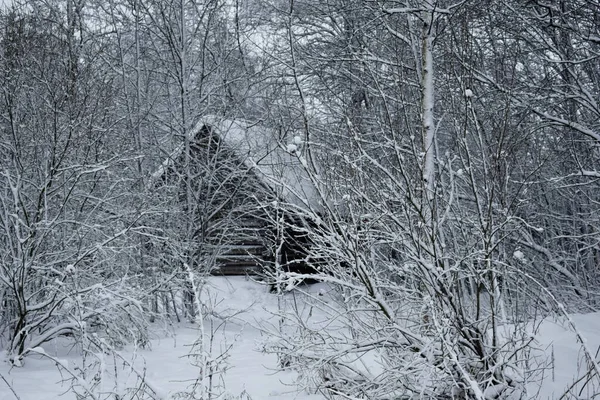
<point>240,185</point>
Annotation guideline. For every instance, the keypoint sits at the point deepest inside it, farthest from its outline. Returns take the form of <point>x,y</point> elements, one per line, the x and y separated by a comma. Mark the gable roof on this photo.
<point>279,165</point>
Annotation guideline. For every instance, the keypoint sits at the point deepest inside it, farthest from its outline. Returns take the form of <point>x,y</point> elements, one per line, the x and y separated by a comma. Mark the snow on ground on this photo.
<point>566,362</point>
<point>250,373</point>
<point>168,367</point>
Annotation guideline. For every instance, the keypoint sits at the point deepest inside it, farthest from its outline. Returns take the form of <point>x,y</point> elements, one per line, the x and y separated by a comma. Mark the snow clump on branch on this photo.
<point>518,255</point>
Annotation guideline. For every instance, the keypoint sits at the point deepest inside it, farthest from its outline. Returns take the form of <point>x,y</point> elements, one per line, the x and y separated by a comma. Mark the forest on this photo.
<point>449,152</point>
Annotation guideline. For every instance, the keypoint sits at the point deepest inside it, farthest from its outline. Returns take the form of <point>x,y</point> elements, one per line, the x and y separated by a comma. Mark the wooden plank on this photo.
<point>236,270</point>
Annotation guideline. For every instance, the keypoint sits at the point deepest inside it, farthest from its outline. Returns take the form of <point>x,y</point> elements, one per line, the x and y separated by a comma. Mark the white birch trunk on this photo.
<point>427,103</point>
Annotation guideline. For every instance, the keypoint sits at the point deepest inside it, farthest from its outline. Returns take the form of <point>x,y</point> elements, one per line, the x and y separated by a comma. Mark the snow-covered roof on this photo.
<point>278,162</point>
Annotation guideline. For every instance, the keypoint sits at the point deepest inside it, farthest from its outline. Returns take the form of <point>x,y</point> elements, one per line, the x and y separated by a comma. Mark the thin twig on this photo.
<point>10,387</point>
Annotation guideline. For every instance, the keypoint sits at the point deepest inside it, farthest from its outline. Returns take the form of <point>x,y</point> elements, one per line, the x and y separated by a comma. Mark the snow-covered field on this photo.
<point>247,373</point>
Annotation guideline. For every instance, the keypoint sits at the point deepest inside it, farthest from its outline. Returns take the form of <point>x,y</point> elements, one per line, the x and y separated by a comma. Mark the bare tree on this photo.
<point>64,253</point>
<point>426,221</point>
